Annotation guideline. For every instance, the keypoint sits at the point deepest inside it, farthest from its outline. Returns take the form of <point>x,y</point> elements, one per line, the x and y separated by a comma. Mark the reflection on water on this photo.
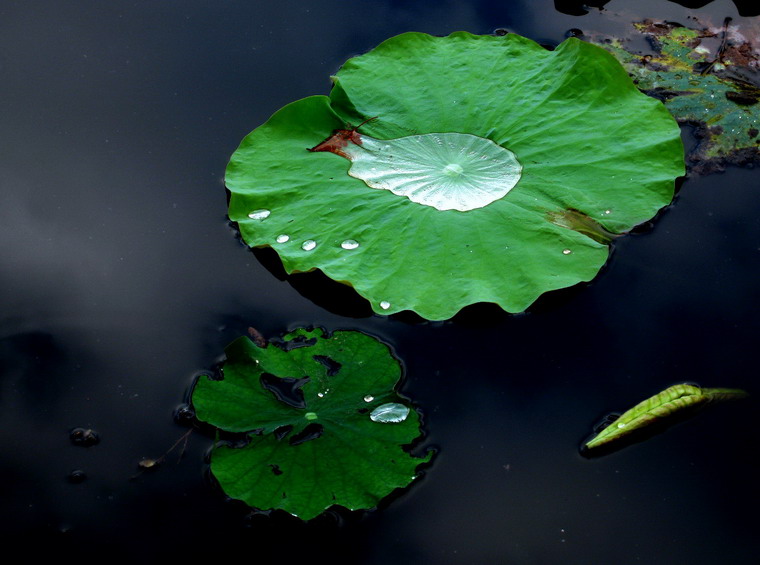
<point>121,281</point>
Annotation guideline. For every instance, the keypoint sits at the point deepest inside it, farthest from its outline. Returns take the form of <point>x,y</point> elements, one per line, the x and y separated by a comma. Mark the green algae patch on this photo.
<point>447,171</point>
<point>316,422</point>
<point>706,77</point>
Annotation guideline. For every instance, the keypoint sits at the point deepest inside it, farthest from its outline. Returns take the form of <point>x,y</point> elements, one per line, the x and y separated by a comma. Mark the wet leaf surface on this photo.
<point>446,230</point>
<point>345,442</point>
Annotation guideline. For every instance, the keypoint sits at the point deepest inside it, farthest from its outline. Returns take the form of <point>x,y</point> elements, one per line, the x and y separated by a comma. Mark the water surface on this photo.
<point>120,280</point>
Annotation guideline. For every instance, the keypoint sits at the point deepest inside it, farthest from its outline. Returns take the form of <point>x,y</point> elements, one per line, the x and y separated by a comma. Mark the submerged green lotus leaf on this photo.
<point>477,169</point>
<point>324,423</point>
<point>707,78</point>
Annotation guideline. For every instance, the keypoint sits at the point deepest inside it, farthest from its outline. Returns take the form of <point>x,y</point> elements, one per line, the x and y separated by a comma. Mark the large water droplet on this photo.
<point>282,238</point>
<point>350,244</point>
<point>308,245</point>
<point>390,413</point>
<point>369,398</point>
<point>385,305</point>
<point>447,171</point>
<point>259,214</point>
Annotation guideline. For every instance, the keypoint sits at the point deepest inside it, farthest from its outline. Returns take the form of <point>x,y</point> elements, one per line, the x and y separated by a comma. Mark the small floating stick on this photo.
<point>668,403</point>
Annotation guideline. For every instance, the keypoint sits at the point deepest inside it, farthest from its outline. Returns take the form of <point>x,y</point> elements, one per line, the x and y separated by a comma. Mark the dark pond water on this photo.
<point>120,280</point>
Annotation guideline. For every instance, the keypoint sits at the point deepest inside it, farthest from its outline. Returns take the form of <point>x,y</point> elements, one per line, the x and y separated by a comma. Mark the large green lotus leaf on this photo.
<point>590,146</point>
<point>346,399</point>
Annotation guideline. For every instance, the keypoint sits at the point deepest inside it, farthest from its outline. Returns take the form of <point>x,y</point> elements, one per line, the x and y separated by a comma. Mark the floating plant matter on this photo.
<point>707,77</point>
<point>445,171</point>
<point>322,422</point>
<point>664,407</point>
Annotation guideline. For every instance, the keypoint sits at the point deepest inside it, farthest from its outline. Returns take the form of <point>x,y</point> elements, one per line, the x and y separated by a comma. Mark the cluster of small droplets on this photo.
<point>307,245</point>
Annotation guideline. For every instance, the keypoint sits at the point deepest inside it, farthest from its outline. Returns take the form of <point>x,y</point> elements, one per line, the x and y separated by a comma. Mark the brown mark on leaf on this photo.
<point>582,223</point>
<point>256,337</point>
<point>340,138</point>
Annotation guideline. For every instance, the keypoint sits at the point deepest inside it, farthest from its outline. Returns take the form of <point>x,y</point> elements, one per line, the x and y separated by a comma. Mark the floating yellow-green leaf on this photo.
<point>706,77</point>
<point>674,401</point>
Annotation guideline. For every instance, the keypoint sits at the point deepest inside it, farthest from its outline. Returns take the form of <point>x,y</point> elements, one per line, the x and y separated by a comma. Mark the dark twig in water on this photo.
<point>721,49</point>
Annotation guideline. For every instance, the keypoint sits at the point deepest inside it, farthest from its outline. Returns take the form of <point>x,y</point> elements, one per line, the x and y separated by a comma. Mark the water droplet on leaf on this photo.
<point>282,238</point>
<point>369,398</point>
<point>350,244</point>
<point>390,413</point>
<point>259,214</point>
<point>466,171</point>
<point>308,245</point>
<point>385,305</point>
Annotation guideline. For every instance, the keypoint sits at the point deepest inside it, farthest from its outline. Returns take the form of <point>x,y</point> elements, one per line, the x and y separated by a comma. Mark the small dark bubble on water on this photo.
<point>77,476</point>
<point>500,31</point>
<point>84,437</point>
<point>574,32</point>
<point>184,415</point>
